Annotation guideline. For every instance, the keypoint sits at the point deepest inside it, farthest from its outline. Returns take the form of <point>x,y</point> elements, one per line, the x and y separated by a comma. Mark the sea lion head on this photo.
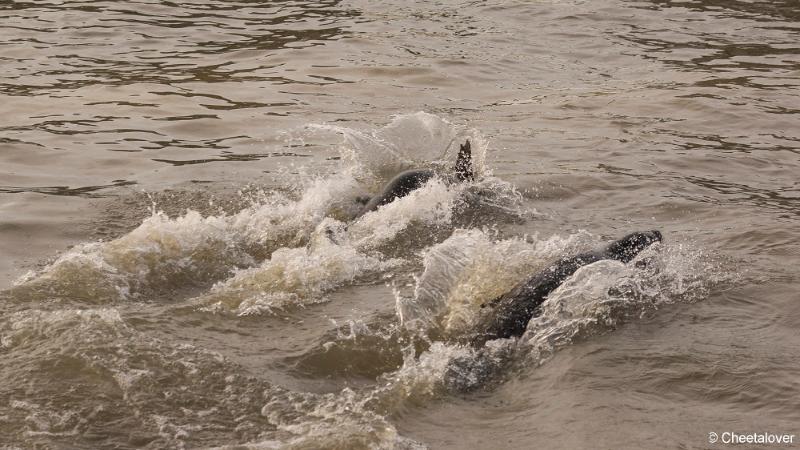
<point>629,246</point>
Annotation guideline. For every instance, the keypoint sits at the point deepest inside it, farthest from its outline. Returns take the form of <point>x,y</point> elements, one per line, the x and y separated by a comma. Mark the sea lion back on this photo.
<point>400,186</point>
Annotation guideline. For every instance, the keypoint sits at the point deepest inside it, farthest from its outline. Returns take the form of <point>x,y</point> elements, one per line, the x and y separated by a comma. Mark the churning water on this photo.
<point>182,265</point>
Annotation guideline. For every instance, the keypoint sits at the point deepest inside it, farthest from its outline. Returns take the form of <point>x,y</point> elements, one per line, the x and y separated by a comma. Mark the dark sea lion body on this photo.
<point>400,186</point>
<point>512,311</point>
<point>411,180</point>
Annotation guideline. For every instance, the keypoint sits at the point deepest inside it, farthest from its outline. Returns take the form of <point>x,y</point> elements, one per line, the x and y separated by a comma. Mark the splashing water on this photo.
<point>410,141</point>
<point>291,249</point>
<point>123,380</point>
<point>260,244</point>
<point>471,268</point>
<point>600,297</point>
<point>295,276</point>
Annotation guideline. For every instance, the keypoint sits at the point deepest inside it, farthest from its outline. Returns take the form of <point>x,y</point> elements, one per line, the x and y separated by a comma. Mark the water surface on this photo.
<point>181,267</point>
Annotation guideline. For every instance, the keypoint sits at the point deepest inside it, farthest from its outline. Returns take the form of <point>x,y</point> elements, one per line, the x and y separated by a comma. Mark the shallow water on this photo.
<point>181,267</point>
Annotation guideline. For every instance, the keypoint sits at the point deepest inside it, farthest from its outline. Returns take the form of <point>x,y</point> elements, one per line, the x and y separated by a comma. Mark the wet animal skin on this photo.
<point>513,310</point>
<point>411,180</point>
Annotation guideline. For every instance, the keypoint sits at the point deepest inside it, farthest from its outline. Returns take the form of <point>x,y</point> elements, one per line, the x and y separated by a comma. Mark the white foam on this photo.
<point>21,327</point>
<point>409,141</point>
<point>340,420</point>
<point>164,252</point>
<point>600,296</point>
<point>297,276</point>
<point>470,268</point>
<point>432,205</point>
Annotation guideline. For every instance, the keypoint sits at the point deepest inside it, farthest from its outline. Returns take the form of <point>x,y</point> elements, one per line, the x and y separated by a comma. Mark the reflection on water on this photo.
<point>234,157</point>
<point>756,41</point>
<point>180,84</point>
<point>764,11</point>
<point>156,42</point>
<point>85,191</point>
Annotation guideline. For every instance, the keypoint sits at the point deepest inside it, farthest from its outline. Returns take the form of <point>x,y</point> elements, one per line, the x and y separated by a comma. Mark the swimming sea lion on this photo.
<point>512,311</point>
<point>410,180</point>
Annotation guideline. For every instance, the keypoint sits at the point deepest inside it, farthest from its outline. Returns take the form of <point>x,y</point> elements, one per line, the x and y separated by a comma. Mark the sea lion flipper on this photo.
<point>463,168</point>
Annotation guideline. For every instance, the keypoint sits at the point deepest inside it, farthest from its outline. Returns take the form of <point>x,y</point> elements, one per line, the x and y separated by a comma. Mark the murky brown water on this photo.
<point>171,176</point>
